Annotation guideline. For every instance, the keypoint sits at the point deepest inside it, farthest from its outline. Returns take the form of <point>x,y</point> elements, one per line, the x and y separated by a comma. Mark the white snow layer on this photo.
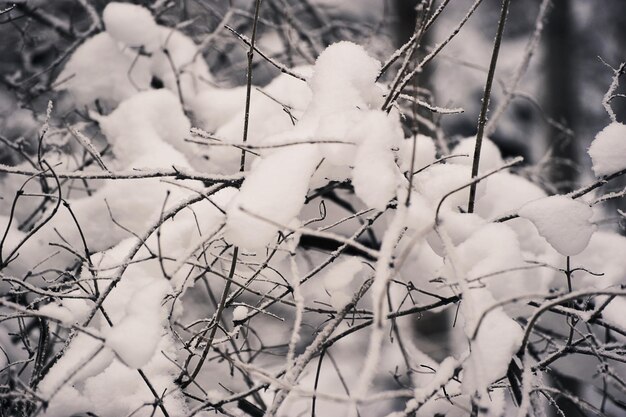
<point>337,281</point>
<point>498,339</point>
<point>110,67</point>
<point>271,196</point>
<point>376,176</point>
<point>565,223</point>
<point>240,313</point>
<point>608,150</point>
<point>98,69</point>
<point>136,337</point>
<point>130,24</point>
<point>490,157</point>
<point>425,153</point>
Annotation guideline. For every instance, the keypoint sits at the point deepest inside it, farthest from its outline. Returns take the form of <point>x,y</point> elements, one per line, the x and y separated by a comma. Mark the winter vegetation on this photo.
<point>267,208</point>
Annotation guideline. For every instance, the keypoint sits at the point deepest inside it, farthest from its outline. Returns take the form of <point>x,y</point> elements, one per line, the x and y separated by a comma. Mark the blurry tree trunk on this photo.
<point>406,16</point>
<point>561,104</point>
<point>560,93</point>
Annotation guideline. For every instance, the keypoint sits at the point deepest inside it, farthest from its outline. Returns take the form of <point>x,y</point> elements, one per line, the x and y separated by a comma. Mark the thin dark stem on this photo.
<point>317,380</point>
<point>215,324</point>
<point>246,119</point>
<point>482,118</point>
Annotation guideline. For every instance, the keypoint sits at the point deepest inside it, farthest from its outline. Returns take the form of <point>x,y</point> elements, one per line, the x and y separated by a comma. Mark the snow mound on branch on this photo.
<point>109,67</point>
<point>343,82</point>
<point>57,312</point>
<point>70,310</point>
<point>271,196</point>
<point>213,108</point>
<point>179,64</point>
<point>99,70</point>
<point>345,77</point>
<point>81,356</point>
<point>240,313</point>
<point>139,125</point>
<point>608,150</point>
<point>375,176</point>
<point>337,281</point>
<point>613,313</point>
<point>344,89</point>
<point>565,223</point>
<point>498,339</point>
<point>425,153</point>
<point>130,24</point>
<point>440,179</point>
<point>221,110</point>
<point>136,337</point>
<point>490,156</point>
<point>420,214</point>
<point>459,226</point>
<point>108,388</point>
<point>604,255</point>
<point>274,109</point>
<point>490,257</point>
<point>505,194</point>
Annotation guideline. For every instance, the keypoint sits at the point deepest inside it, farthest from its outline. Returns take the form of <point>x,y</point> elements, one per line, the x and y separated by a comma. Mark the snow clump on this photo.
<point>565,223</point>
<point>337,282</point>
<point>608,150</point>
<point>130,24</point>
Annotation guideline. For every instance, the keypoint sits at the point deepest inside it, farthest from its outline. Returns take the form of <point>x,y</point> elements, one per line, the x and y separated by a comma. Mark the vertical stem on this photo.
<point>231,274</point>
<point>570,319</point>
<point>246,119</point>
<point>317,380</point>
<point>216,321</point>
<point>482,118</point>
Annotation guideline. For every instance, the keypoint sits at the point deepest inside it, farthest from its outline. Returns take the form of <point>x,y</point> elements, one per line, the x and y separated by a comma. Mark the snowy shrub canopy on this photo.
<point>178,246</point>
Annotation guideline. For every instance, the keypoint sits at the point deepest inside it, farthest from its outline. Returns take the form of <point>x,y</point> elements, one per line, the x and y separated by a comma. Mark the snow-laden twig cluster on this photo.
<point>272,250</point>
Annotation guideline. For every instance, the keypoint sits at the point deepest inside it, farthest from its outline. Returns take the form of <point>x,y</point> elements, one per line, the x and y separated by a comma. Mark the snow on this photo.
<point>272,196</point>
<point>79,357</point>
<point>425,153</point>
<point>438,180</point>
<point>109,66</point>
<point>465,254</point>
<point>445,372</point>
<point>136,337</point>
<point>489,257</point>
<point>337,281</point>
<point>490,157</point>
<point>181,61</point>
<point>138,125</point>
<point>375,176</point>
<point>57,312</point>
<point>608,150</point>
<point>603,255</point>
<point>214,108</point>
<point>223,111</point>
<point>491,352</point>
<point>565,223</point>
<point>240,313</point>
<point>420,214</point>
<point>98,69</point>
<point>129,24</point>
<point>341,126</point>
<point>344,78</point>
<point>143,131</point>
<point>505,193</point>
<point>613,313</point>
